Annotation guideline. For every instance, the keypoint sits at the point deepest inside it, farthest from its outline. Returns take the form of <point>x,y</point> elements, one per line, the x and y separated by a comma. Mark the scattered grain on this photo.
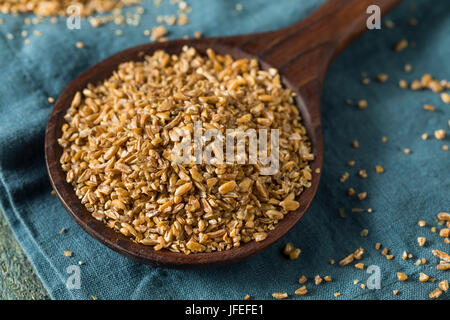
<point>441,255</point>
<point>423,277</point>
<point>59,7</point>
<point>415,85</point>
<point>401,45</point>
<point>344,177</point>
<point>382,77</point>
<point>288,248</point>
<point>389,24</point>
<point>362,173</point>
<point>301,291</point>
<point>436,293</point>
<point>280,295</point>
<point>359,266</point>
<point>158,32</point>
<point>403,84</point>
<point>443,216</point>
<point>302,279</point>
<point>443,266</point>
<point>445,97</point>
<point>421,223</point>
<point>445,233</point>
<point>401,276</point>
<point>429,107</point>
<point>362,195</point>
<point>182,19</point>
<point>439,134</point>
<point>294,254</point>
<point>444,285</point>
<point>404,255</point>
<point>68,253</point>
<point>362,104</point>
<point>421,241</point>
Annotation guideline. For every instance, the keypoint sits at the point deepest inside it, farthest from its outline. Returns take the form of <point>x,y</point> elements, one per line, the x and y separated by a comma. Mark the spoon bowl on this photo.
<point>301,53</point>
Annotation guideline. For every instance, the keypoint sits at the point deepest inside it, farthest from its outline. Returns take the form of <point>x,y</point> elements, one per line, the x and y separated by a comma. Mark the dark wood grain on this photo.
<point>301,52</point>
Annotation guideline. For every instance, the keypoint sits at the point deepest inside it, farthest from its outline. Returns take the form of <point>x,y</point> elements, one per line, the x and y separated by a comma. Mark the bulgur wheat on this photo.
<point>118,134</point>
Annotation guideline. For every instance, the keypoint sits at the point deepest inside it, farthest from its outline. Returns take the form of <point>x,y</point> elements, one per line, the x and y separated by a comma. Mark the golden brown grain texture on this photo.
<point>117,140</point>
<point>59,7</point>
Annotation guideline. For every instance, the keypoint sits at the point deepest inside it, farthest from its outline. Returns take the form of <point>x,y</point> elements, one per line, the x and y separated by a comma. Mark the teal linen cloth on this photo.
<point>413,187</point>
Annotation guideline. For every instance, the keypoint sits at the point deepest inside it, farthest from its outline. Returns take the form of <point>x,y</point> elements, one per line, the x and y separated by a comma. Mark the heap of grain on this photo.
<point>117,143</point>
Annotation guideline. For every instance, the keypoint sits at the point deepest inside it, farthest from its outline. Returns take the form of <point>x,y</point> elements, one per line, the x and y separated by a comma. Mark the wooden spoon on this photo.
<point>301,53</point>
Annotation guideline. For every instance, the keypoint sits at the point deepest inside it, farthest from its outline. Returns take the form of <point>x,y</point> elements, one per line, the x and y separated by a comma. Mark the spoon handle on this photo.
<point>304,50</point>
